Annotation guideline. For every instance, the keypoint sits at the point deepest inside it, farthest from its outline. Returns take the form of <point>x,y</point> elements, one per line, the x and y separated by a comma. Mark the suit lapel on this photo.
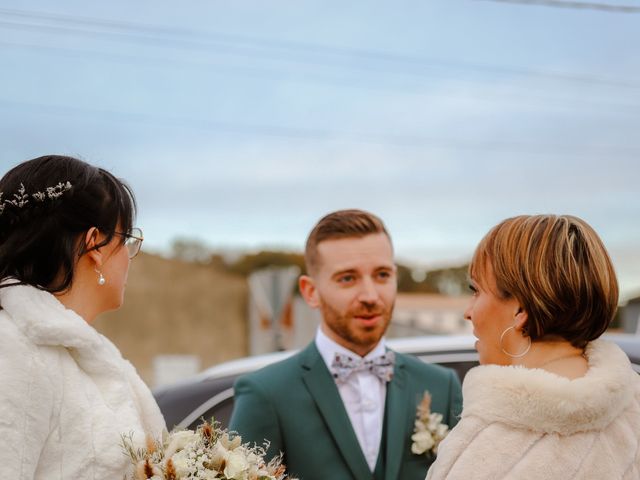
<point>323,389</point>
<point>395,415</point>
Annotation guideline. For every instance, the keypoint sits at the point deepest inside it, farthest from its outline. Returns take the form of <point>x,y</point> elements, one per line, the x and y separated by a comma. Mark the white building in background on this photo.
<point>426,313</point>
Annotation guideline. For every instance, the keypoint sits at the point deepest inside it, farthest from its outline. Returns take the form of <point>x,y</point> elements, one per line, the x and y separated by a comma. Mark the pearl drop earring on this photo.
<point>101,279</point>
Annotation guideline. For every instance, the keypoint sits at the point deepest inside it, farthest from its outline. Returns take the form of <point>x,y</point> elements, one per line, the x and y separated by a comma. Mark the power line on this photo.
<point>261,73</point>
<point>603,7</point>
<point>321,135</point>
<point>264,48</point>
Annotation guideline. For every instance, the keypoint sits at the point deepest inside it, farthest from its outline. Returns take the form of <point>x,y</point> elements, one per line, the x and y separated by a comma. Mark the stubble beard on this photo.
<point>345,327</point>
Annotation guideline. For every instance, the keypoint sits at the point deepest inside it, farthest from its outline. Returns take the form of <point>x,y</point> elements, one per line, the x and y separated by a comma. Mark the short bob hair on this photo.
<point>42,238</point>
<point>557,267</point>
<point>350,223</point>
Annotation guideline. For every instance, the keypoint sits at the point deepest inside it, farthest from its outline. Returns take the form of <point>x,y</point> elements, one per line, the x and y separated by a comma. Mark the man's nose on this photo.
<point>368,292</point>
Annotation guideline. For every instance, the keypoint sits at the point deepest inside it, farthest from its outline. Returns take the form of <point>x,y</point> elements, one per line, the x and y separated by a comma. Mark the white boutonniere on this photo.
<point>428,429</point>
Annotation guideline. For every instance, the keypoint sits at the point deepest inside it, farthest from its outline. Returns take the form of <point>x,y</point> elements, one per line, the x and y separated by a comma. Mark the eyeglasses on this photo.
<point>133,241</point>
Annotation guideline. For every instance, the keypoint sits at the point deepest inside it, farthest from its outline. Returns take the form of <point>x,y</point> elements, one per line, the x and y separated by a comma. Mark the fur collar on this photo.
<point>544,402</point>
<point>44,320</point>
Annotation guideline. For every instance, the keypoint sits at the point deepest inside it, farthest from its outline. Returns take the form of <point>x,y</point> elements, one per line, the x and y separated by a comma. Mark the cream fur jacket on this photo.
<point>66,394</point>
<point>523,424</point>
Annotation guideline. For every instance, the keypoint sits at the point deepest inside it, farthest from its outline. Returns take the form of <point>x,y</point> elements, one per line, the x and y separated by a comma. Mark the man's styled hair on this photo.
<point>559,270</point>
<point>340,224</point>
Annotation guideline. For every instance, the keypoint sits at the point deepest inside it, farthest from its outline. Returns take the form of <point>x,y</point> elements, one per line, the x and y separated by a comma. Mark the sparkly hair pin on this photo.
<point>21,199</point>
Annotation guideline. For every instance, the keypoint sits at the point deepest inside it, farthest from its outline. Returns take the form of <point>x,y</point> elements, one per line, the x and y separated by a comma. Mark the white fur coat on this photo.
<point>523,424</point>
<point>66,394</point>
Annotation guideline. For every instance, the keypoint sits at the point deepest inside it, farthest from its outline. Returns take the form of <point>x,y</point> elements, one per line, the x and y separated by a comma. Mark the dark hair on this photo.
<point>41,239</point>
<point>340,224</point>
<point>559,270</point>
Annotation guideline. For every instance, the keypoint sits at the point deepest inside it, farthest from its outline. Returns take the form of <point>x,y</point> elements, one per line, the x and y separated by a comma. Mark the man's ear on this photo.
<point>91,239</point>
<point>521,319</point>
<point>309,291</point>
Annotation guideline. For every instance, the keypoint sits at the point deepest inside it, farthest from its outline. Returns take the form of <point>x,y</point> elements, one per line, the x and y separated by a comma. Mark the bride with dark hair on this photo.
<point>67,396</point>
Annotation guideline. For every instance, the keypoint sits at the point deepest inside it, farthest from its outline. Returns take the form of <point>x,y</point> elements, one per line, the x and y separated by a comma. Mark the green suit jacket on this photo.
<point>295,405</point>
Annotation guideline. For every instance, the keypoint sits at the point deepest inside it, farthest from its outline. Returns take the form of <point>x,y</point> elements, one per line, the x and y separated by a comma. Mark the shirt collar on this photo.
<point>328,348</point>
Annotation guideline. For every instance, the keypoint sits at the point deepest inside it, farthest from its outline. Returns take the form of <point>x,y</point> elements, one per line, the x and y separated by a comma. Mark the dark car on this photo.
<point>210,393</point>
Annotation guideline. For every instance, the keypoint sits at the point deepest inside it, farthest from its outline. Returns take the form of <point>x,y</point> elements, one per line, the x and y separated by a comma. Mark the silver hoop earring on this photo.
<point>512,355</point>
<point>101,279</point>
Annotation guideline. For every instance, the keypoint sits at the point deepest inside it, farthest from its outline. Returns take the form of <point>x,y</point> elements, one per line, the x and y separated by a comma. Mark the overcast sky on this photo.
<point>240,123</point>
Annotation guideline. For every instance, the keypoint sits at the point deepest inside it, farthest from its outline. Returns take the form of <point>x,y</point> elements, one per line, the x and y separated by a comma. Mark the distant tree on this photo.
<point>407,283</point>
<point>266,258</point>
<point>447,281</point>
<point>218,262</point>
<point>191,250</point>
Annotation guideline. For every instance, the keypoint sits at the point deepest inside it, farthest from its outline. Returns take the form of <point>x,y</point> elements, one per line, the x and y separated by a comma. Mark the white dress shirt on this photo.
<point>363,395</point>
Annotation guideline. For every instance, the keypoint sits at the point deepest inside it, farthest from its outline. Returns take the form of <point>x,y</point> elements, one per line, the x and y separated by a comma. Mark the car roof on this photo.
<point>426,346</point>
<point>413,345</point>
<point>419,346</point>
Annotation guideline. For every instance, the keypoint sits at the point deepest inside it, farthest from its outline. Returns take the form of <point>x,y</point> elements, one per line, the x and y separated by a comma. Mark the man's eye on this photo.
<point>346,279</point>
<point>384,275</point>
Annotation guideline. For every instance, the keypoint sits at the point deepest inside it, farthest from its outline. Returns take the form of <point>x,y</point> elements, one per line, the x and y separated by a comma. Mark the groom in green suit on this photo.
<point>344,407</point>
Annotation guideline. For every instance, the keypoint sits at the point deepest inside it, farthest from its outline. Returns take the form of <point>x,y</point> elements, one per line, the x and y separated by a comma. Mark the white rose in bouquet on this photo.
<point>178,441</point>
<point>182,464</point>
<point>209,453</point>
<point>237,466</point>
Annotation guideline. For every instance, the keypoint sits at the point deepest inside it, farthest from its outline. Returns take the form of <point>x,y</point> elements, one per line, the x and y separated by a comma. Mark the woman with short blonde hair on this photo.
<point>550,399</point>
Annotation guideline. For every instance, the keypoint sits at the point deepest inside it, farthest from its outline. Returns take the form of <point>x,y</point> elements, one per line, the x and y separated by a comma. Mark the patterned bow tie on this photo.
<point>344,365</point>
